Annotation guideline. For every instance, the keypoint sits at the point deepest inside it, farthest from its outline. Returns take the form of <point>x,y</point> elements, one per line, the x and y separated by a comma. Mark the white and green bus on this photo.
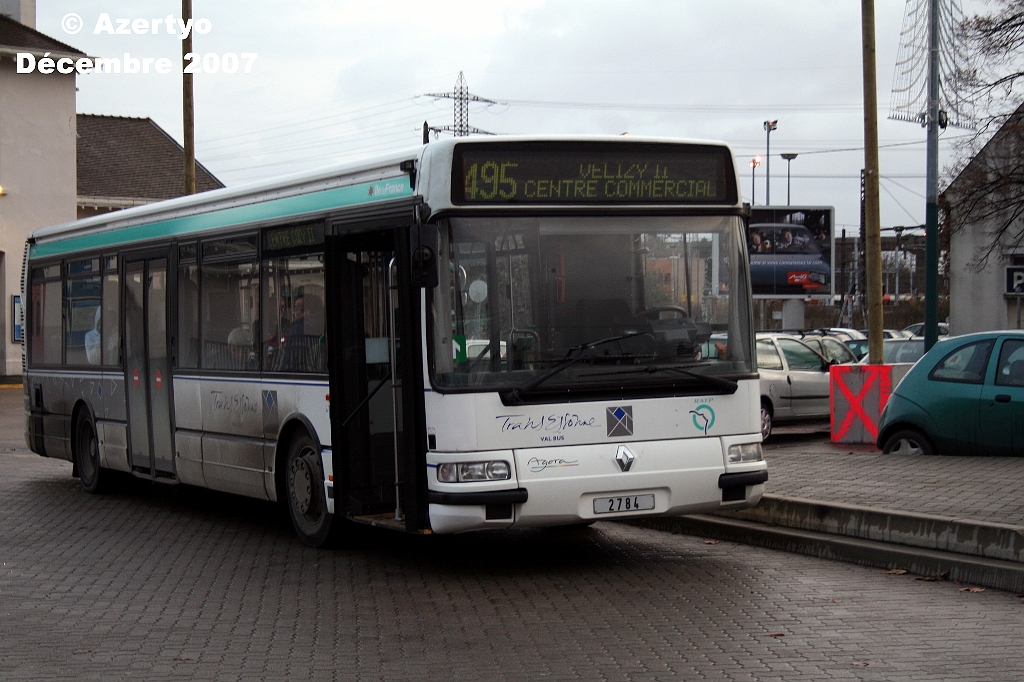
<point>476,334</point>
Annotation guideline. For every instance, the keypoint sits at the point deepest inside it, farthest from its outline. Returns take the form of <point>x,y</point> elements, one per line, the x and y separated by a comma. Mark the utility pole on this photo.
<point>754,163</point>
<point>928,63</point>
<point>872,217</point>
<point>931,213</point>
<point>187,107</point>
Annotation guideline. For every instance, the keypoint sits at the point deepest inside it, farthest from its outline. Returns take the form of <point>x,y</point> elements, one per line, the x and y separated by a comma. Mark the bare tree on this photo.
<point>986,191</point>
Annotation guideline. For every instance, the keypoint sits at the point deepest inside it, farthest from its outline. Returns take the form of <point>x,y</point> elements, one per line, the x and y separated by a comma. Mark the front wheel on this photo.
<point>304,493</point>
<point>766,421</point>
<point>908,442</point>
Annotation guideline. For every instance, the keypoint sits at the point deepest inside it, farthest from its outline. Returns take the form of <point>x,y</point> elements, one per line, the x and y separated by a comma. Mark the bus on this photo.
<point>480,333</point>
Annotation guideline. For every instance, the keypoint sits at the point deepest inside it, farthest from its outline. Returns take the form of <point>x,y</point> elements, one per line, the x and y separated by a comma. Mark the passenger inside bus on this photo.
<point>305,333</point>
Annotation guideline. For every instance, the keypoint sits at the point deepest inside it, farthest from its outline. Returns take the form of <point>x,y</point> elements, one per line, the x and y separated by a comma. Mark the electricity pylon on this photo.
<point>462,98</point>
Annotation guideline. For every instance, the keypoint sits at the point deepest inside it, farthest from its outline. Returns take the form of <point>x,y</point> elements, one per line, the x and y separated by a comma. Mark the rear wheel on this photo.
<point>87,458</point>
<point>304,493</point>
<point>908,442</point>
<point>766,420</point>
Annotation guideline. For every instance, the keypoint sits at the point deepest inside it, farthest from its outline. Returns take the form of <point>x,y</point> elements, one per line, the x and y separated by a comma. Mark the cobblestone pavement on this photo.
<point>162,583</point>
<point>978,488</point>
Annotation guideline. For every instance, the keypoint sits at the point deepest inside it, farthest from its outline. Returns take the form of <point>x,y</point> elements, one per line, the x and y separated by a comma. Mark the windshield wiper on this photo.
<point>515,395</point>
<point>721,382</point>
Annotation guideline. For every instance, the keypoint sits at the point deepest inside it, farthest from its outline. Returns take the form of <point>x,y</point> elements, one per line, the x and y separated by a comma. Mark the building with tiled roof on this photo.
<point>125,162</point>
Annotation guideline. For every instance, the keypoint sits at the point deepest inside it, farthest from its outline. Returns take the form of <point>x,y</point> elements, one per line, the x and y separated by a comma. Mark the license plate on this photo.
<point>624,503</point>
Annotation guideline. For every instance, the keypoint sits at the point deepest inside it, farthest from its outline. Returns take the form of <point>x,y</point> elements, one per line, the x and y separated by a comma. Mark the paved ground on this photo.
<point>186,584</point>
<point>179,583</point>
<point>977,488</point>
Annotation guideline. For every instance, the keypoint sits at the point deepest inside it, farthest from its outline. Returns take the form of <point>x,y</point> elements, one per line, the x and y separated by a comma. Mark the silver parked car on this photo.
<point>831,348</point>
<point>794,381</point>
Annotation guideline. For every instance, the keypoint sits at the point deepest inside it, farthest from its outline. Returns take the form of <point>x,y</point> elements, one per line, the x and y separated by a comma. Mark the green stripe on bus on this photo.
<point>380,190</point>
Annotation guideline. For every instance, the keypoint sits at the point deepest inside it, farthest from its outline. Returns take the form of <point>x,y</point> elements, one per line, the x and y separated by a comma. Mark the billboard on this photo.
<point>791,251</point>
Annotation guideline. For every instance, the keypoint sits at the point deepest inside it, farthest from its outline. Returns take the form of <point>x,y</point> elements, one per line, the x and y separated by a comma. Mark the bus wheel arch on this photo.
<point>291,427</point>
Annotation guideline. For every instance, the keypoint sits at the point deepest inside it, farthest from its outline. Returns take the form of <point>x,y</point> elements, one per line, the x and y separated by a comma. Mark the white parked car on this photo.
<point>794,381</point>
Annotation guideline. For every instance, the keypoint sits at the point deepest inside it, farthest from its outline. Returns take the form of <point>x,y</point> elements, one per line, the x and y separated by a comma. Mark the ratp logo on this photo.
<point>620,421</point>
<point>703,418</point>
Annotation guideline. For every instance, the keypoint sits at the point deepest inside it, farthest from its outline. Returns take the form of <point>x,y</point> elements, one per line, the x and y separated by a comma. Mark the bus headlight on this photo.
<point>748,452</point>
<point>495,470</point>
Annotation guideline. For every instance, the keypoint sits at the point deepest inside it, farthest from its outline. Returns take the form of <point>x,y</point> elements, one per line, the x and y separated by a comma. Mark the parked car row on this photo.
<point>964,397</point>
<point>794,369</point>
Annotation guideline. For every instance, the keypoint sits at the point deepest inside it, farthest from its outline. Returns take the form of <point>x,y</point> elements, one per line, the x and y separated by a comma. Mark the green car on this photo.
<point>964,397</point>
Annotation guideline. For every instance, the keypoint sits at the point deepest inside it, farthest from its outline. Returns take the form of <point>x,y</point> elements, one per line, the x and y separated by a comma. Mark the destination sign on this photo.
<point>592,173</point>
<point>293,236</point>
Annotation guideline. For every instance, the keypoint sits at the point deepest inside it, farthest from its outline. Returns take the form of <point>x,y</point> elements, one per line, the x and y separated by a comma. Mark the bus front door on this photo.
<point>366,412</point>
<point>147,375</point>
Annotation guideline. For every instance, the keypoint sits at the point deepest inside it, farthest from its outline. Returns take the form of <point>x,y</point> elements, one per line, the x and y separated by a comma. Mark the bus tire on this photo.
<point>304,493</point>
<point>94,478</point>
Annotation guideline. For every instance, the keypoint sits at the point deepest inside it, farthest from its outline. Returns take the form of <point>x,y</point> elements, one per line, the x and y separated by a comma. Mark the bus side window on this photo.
<point>188,316</point>
<point>111,314</point>
<point>46,330</point>
<point>293,313</point>
<point>229,312</point>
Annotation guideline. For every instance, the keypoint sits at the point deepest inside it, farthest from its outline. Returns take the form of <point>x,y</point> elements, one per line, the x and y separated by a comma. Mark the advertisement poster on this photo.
<point>791,251</point>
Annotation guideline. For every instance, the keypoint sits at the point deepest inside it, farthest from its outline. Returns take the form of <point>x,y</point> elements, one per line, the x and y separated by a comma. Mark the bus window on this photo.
<point>293,311</point>
<point>230,315</point>
<point>46,325</point>
<point>525,295</point>
<point>188,316</point>
<point>111,315</point>
<point>84,316</point>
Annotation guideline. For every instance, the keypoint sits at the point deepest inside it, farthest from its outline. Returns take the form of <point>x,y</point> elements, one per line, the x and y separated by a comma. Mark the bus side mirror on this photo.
<point>423,254</point>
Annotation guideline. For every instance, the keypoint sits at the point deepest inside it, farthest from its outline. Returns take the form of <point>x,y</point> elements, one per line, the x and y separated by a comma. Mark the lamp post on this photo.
<point>754,163</point>
<point>788,158</point>
<point>769,126</point>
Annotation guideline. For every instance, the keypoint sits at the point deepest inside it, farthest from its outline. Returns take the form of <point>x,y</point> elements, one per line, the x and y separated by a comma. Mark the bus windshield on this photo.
<point>558,305</point>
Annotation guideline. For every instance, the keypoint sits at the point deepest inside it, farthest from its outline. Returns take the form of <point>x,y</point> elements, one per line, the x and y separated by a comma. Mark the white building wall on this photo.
<point>37,173</point>
<point>976,300</point>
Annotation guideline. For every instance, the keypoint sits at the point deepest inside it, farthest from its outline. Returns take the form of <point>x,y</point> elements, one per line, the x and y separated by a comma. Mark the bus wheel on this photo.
<point>87,458</point>
<point>304,483</point>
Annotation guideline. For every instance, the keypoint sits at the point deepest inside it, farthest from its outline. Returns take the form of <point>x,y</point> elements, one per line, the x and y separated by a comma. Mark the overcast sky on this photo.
<point>341,80</point>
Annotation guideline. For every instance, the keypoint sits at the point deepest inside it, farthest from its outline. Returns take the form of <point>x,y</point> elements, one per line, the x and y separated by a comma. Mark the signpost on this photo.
<point>1015,286</point>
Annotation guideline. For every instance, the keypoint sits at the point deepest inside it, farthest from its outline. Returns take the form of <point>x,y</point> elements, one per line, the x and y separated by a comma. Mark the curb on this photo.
<point>941,533</point>
<point>995,573</point>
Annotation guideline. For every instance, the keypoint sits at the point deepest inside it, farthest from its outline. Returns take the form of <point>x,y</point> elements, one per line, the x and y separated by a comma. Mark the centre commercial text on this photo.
<point>595,181</point>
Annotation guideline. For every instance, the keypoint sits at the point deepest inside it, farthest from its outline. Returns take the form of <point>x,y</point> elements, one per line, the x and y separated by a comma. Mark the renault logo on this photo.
<point>624,458</point>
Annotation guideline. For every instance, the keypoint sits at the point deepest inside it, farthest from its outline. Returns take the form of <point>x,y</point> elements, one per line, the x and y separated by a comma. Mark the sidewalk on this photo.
<point>955,518</point>
<point>983,489</point>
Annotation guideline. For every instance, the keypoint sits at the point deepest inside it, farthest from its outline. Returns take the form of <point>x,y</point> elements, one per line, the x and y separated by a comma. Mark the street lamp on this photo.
<point>769,126</point>
<point>754,163</point>
<point>788,158</point>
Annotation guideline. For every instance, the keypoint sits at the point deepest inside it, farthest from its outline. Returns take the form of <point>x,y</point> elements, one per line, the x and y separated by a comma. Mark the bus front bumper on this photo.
<point>582,484</point>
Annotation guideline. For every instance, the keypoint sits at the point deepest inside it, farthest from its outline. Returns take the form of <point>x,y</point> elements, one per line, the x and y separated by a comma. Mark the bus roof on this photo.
<point>308,193</point>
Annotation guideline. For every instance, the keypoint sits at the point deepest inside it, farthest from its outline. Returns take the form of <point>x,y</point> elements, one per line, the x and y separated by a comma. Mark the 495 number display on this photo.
<point>592,173</point>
